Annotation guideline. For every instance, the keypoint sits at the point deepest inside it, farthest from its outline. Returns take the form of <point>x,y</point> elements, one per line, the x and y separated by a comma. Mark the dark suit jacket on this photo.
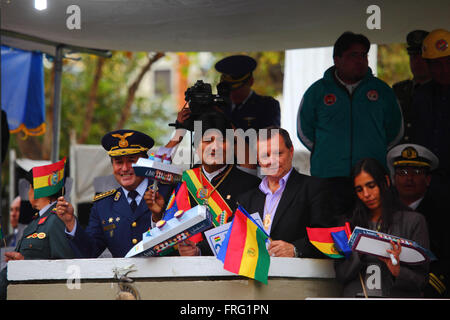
<point>305,202</point>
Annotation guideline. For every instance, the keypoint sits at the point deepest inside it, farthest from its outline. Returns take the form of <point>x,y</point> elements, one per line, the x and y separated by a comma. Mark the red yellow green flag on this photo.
<point>322,239</point>
<point>243,250</point>
<point>48,179</point>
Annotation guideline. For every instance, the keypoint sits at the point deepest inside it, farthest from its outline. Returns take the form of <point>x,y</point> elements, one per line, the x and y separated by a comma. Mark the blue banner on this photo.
<point>23,90</point>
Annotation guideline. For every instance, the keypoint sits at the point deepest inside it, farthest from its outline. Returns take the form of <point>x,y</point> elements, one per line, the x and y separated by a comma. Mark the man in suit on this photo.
<point>286,200</point>
<point>412,166</point>
<point>120,216</point>
<point>14,213</point>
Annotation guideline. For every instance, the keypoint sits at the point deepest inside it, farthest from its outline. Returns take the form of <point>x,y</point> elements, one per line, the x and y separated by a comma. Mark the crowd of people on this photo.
<point>379,160</point>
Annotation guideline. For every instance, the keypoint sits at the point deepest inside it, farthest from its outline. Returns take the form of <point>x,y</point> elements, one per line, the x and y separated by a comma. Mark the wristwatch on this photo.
<point>295,252</point>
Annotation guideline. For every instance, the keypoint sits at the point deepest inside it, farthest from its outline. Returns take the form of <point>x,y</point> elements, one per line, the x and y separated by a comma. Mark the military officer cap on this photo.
<point>411,155</point>
<point>124,142</point>
<point>414,40</point>
<point>236,69</point>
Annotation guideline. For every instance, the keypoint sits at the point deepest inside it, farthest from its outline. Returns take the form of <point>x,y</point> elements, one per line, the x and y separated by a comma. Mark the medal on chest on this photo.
<point>267,221</point>
<point>203,193</point>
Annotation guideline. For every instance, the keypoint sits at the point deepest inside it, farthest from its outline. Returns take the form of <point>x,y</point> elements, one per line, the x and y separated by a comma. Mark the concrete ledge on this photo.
<point>168,278</point>
<point>159,267</point>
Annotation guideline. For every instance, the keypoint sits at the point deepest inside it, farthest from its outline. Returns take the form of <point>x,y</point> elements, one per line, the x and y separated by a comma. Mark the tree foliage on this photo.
<point>94,93</point>
<point>393,63</point>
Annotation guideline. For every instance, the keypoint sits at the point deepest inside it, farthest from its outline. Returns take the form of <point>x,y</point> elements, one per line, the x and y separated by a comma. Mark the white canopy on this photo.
<point>213,25</point>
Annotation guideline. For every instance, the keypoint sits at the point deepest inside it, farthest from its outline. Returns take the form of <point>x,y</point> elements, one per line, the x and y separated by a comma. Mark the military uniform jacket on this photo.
<point>431,122</point>
<point>113,225</point>
<point>404,90</point>
<point>45,238</point>
<point>436,211</point>
<point>257,112</point>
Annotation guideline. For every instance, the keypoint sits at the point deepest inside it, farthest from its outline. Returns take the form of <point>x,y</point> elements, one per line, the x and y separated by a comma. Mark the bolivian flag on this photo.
<point>243,250</point>
<point>331,241</point>
<point>49,179</point>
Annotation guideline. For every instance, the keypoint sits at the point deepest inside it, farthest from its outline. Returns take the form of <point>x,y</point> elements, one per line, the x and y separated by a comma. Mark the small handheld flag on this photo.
<point>332,242</point>
<point>243,250</point>
<point>48,179</point>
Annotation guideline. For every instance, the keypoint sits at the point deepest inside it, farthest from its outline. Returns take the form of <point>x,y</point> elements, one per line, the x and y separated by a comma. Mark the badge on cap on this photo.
<point>409,153</point>
<point>441,45</point>
<point>329,99</point>
<point>123,143</point>
<point>372,95</point>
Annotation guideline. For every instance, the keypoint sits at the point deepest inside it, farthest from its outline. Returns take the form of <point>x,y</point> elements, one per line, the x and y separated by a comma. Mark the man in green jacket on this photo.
<point>348,115</point>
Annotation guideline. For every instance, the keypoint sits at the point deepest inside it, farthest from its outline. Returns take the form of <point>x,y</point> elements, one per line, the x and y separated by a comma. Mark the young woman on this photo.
<point>377,207</point>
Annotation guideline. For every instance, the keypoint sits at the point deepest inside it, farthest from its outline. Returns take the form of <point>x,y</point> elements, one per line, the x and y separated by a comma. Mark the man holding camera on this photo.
<point>248,109</point>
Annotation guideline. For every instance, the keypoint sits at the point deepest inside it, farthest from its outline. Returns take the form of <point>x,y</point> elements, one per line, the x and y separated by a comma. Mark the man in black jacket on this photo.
<point>216,182</point>
<point>286,200</point>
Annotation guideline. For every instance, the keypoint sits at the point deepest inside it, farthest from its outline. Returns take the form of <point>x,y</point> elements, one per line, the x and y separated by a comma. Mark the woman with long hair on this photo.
<point>377,207</point>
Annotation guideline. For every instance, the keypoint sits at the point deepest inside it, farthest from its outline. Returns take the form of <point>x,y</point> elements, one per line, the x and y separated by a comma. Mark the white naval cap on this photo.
<point>411,155</point>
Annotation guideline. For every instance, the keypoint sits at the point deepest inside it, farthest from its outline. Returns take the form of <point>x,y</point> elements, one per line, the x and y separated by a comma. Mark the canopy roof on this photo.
<point>213,25</point>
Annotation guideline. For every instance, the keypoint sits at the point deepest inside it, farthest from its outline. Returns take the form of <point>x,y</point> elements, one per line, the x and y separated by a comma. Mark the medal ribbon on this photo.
<point>215,202</point>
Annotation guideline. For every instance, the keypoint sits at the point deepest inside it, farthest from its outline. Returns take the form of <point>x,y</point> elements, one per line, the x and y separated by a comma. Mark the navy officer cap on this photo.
<point>411,155</point>
<point>236,69</point>
<point>124,142</point>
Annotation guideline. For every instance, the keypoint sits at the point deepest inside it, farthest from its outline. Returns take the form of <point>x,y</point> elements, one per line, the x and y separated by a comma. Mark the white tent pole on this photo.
<point>57,104</point>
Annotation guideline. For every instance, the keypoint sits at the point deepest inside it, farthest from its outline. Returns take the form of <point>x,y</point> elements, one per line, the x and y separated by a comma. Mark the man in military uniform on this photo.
<point>43,238</point>
<point>120,216</point>
<point>405,89</point>
<point>412,165</point>
<point>431,107</point>
<point>215,182</point>
<point>248,109</point>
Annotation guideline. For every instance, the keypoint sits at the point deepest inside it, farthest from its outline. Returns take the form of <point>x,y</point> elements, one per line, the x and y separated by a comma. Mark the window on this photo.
<point>162,83</point>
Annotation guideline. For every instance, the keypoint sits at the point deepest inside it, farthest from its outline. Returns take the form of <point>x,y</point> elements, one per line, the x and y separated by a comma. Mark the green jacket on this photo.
<point>44,238</point>
<point>339,129</point>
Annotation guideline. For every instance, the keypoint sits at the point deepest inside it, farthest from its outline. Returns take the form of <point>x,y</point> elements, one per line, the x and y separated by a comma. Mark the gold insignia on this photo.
<point>251,252</point>
<point>109,227</point>
<point>110,220</point>
<point>104,195</point>
<point>409,153</point>
<point>117,197</point>
<point>123,143</point>
<point>41,235</point>
<point>117,219</point>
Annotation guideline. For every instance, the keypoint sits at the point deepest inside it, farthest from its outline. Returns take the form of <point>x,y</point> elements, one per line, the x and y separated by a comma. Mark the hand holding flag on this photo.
<point>48,179</point>
<point>243,250</point>
<point>333,242</point>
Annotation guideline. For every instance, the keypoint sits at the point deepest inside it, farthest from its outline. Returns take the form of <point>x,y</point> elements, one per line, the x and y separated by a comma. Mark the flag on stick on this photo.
<point>48,179</point>
<point>243,250</point>
<point>333,242</point>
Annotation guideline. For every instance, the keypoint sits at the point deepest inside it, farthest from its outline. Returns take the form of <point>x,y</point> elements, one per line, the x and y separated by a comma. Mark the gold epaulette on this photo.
<point>103,195</point>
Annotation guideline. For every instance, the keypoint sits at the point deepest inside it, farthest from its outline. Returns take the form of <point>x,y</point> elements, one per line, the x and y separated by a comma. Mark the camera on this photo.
<point>201,101</point>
